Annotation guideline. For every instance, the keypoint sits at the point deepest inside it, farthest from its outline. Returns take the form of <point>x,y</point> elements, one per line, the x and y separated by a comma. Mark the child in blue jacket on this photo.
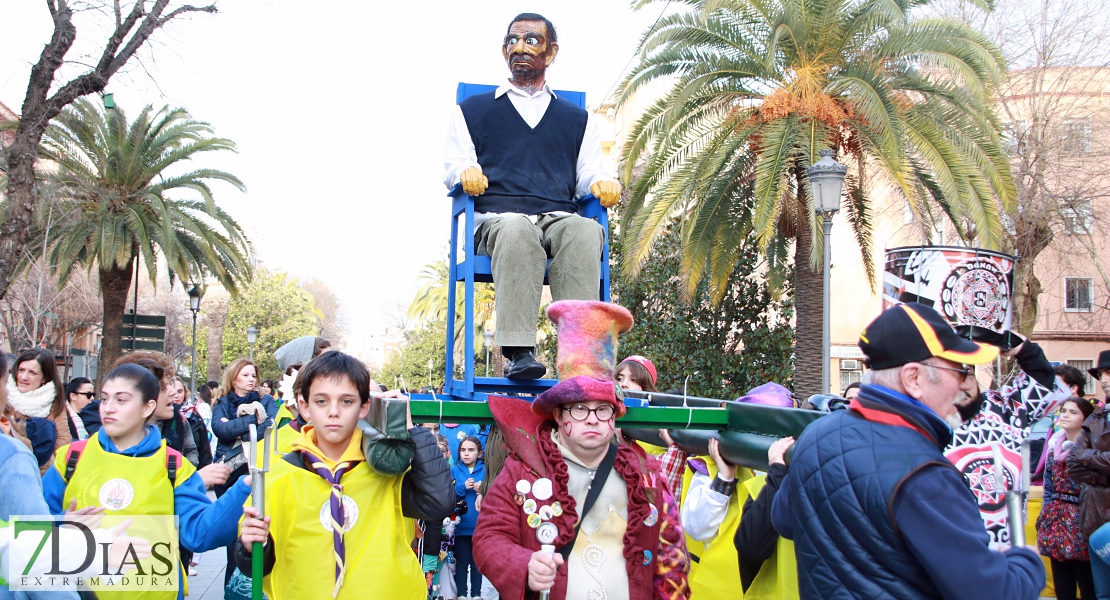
<point>469,471</point>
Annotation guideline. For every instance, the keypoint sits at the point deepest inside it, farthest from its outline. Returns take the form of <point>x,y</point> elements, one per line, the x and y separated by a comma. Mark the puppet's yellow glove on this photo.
<point>609,192</point>
<point>473,181</point>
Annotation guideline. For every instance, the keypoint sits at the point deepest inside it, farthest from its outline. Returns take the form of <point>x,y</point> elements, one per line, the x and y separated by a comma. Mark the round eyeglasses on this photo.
<point>580,412</point>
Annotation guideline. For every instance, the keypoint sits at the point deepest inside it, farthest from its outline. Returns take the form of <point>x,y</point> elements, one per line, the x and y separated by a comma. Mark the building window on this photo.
<point>1075,135</point>
<point>1078,214</point>
<point>1083,365</point>
<point>1077,294</point>
<point>851,371</point>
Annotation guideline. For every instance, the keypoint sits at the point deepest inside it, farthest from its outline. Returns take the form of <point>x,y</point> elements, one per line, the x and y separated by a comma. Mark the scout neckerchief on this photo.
<point>337,514</point>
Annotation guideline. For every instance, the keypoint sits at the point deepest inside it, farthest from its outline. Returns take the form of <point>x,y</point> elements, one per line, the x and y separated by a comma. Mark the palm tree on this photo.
<point>430,303</point>
<point>760,86</point>
<point>115,181</point>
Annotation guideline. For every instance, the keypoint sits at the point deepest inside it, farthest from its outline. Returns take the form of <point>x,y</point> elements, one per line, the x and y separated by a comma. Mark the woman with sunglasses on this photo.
<point>79,393</point>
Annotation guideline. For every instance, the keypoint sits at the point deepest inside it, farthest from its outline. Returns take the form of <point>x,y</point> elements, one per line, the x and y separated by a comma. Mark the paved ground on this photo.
<point>208,583</point>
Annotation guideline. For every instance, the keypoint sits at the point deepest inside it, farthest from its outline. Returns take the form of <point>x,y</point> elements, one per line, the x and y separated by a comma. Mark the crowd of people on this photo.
<point>876,499</point>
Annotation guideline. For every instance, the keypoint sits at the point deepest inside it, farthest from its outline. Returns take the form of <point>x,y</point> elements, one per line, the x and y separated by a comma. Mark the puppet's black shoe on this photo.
<point>525,366</point>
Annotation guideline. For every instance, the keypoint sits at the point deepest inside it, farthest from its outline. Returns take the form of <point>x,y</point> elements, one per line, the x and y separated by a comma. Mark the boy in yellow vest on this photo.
<point>335,528</point>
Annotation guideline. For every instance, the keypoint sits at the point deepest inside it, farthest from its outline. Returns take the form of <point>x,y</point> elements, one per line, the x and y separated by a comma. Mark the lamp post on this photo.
<point>252,337</point>
<point>194,307</point>
<point>487,341</point>
<point>826,179</point>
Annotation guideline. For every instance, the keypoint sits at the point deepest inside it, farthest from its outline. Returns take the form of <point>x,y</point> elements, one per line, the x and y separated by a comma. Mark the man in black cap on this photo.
<point>874,508</point>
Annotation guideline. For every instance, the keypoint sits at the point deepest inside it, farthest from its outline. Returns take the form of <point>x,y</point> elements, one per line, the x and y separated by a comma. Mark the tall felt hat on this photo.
<point>587,353</point>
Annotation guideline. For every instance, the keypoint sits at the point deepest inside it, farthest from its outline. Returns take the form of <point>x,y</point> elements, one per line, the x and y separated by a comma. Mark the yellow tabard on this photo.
<point>697,547</point>
<point>125,485</point>
<point>778,577</point>
<point>718,573</point>
<point>380,562</point>
<point>284,415</point>
<point>282,444</point>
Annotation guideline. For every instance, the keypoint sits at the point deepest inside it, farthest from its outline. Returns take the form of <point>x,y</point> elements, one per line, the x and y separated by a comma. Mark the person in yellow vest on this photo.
<point>768,570</point>
<point>335,528</point>
<point>710,514</point>
<point>126,469</point>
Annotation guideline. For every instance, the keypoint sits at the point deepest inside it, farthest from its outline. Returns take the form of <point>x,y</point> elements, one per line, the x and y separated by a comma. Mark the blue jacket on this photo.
<point>461,473</point>
<point>228,428</point>
<point>852,540</point>
<point>203,525</point>
<point>22,495</point>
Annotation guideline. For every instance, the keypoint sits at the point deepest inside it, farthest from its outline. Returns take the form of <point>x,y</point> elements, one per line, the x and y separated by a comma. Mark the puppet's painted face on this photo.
<point>528,51</point>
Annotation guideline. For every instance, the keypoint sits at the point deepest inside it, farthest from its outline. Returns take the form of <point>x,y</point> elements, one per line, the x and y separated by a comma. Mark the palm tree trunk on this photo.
<point>115,283</point>
<point>809,285</point>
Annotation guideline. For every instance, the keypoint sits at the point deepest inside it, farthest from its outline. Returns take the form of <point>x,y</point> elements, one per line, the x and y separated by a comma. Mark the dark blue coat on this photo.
<point>853,540</point>
<point>228,428</point>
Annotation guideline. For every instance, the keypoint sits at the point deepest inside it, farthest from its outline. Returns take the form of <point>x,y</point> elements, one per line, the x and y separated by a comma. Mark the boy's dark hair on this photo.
<point>552,36</point>
<point>212,384</point>
<point>469,438</point>
<point>852,386</point>
<point>639,374</point>
<point>335,365</point>
<point>1072,376</point>
<point>75,384</point>
<point>141,377</point>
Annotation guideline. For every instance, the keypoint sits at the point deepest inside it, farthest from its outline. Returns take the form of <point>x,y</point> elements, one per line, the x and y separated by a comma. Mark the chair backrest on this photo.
<point>466,90</point>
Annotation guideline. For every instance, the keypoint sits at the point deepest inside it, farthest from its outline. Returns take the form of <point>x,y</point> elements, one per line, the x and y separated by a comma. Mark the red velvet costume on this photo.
<point>656,558</point>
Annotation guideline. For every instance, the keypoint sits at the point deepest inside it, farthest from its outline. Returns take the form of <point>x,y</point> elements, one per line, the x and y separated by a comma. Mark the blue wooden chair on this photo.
<point>474,269</point>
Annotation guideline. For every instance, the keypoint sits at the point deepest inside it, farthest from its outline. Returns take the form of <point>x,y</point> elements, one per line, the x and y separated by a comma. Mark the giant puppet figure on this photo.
<point>604,510</point>
<point>525,155</point>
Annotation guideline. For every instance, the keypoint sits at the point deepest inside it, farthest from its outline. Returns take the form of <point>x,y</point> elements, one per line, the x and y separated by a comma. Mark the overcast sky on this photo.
<point>339,110</point>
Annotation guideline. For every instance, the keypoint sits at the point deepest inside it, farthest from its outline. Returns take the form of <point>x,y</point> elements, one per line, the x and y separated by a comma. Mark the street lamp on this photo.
<point>194,306</point>
<point>487,341</point>
<point>826,180</point>
<point>252,337</point>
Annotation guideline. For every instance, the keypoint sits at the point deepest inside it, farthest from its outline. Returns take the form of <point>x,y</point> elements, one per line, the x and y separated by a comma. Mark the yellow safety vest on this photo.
<point>778,577</point>
<point>379,557</point>
<point>718,573</point>
<point>125,485</point>
<point>282,443</point>
<point>284,415</point>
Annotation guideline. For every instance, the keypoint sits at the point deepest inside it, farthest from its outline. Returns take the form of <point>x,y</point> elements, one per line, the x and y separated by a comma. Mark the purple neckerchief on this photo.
<point>338,518</point>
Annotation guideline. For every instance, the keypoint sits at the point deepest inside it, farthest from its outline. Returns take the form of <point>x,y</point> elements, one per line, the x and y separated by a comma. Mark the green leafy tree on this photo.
<point>725,347</point>
<point>116,181</point>
<point>760,86</point>
<point>278,307</point>
<point>430,304</point>
<point>410,365</point>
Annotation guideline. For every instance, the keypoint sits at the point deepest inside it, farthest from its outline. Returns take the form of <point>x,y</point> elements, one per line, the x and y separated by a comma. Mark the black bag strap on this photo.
<point>601,474</point>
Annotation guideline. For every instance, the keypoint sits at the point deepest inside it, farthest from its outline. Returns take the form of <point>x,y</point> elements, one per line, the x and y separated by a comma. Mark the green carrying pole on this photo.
<point>745,431</point>
<point>258,501</point>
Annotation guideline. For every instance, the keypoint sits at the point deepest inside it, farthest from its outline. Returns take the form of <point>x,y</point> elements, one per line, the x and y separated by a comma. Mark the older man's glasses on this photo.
<point>965,372</point>
<point>580,412</point>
